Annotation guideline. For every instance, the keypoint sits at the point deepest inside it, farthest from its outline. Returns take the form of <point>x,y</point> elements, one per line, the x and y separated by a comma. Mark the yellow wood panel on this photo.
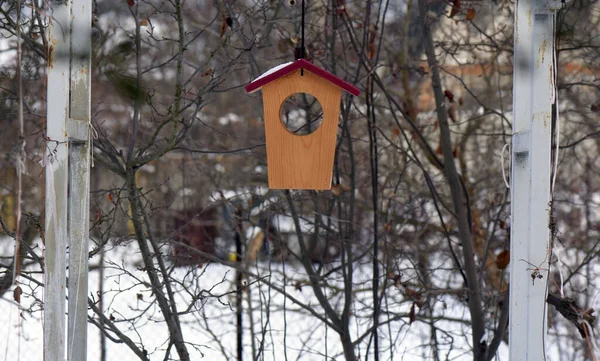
<point>300,161</point>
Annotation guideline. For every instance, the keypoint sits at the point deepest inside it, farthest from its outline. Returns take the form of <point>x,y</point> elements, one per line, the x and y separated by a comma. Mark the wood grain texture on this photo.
<point>300,161</point>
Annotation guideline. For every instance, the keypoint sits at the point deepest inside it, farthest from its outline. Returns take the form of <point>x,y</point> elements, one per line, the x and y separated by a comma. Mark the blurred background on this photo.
<point>298,274</point>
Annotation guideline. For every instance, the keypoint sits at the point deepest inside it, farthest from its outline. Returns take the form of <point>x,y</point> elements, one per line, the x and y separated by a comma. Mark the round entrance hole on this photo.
<point>301,114</point>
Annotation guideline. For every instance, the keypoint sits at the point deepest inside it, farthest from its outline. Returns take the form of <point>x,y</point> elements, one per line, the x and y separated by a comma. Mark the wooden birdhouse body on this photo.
<point>300,161</point>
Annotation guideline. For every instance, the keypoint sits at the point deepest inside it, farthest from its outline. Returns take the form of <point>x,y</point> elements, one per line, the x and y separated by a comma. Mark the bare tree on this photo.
<point>408,252</point>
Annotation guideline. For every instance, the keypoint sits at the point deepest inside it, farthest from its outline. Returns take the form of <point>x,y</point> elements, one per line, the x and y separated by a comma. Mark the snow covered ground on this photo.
<point>285,330</point>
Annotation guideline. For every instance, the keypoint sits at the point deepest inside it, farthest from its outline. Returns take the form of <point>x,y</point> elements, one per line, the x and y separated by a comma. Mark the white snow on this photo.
<point>272,70</point>
<point>209,327</point>
<point>229,118</point>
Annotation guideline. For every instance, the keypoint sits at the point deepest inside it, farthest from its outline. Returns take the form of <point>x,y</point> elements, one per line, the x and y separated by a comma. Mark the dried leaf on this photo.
<point>229,21</point>
<point>455,8</point>
<point>470,14</point>
<point>372,47</point>
<point>448,94</point>
<point>223,27</point>
<point>98,214</point>
<point>140,297</point>
<point>503,259</point>
<point>396,132</point>
<point>460,101</point>
<point>111,317</point>
<point>438,150</point>
<point>130,3</point>
<point>395,277</point>
<point>298,286</point>
<point>17,294</point>
<point>338,189</point>
<point>411,314</point>
<point>109,196</point>
<point>412,294</point>
<point>208,72</point>
<point>144,22</point>
<point>372,50</point>
<point>388,227</point>
<point>340,7</point>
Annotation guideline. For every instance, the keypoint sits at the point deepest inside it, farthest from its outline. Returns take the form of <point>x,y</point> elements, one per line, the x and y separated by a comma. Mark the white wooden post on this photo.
<point>67,179</point>
<point>78,130</point>
<point>57,166</point>
<point>530,181</point>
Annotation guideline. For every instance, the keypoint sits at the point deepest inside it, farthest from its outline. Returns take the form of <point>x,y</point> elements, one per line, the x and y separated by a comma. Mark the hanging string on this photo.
<point>302,26</point>
<point>300,52</point>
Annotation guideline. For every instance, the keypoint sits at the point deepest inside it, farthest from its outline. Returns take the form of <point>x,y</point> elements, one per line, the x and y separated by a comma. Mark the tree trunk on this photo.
<point>456,190</point>
<point>157,289</point>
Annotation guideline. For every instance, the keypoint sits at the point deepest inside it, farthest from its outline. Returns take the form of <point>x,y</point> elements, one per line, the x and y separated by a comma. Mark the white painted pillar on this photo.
<point>57,177</point>
<point>67,179</point>
<point>78,131</point>
<point>530,180</point>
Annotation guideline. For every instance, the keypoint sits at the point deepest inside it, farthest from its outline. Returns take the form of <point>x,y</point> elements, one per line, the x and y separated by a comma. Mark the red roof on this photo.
<point>300,63</point>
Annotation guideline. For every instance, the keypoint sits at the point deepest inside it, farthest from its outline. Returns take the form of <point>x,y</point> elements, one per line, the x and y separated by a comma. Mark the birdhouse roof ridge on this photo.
<point>288,68</point>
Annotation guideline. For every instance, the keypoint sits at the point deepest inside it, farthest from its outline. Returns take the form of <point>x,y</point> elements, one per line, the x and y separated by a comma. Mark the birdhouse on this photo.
<point>300,161</point>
